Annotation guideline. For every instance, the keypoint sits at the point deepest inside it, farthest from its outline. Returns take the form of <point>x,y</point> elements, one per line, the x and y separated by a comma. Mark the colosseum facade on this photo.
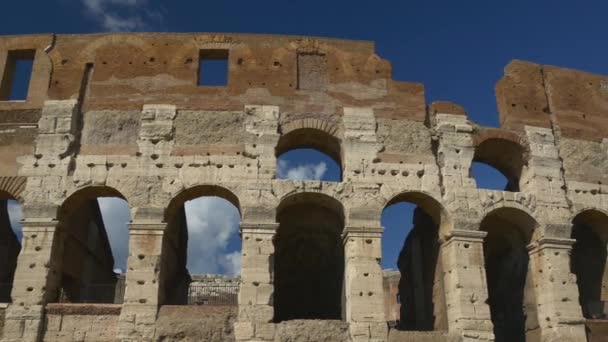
<point>126,115</point>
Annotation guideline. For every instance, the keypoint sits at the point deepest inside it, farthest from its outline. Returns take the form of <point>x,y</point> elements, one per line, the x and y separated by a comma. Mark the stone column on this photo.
<point>363,301</point>
<point>141,300</point>
<point>262,123</point>
<point>36,280</point>
<point>256,310</point>
<point>555,293</point>
<point>464,280</point>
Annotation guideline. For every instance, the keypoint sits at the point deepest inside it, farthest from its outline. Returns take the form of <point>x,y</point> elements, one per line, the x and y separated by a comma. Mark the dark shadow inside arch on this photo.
<point>309,154</point>
<point>201,244</point>
<point>309,259</point>
<point>420,301</point>
<point>498,164</point>
<point>93,241</point>
<point>588,262</point>
<point>10,244</point>
<point>506,262</point>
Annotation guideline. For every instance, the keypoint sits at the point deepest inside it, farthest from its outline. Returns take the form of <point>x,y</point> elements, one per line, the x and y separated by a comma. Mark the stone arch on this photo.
<point>589,261</point>
<point>199,190</point>
<point>511,294</point>
<point>309,258</point>
<point>503,150</point>
<point>513,206</point>
<point>87,261</point>
<point>323,199</point>
<point>175,278</point>
<point>588,210</point>
<point>80,195</point>
<point>421,290</point>
<point>426,201</point>
<point>328,127</point>
<point>12,187</point>
<point>320,135</point>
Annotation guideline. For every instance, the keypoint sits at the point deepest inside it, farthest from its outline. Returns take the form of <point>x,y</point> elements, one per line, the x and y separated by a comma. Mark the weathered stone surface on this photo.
<point>311,331</point>
<point>421,336</point>
<point>122,115</point>
<point>110,130</point>
<point>81,324</point>
<point>221,128</point>
<point>195,323</point>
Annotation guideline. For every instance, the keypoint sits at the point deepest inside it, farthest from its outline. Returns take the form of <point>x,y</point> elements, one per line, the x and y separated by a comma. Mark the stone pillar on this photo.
<point>256,310</point>
<point>262,122</point>
<point>142,282</point>
<point>359,145</point>
<point>464,280</point>
<point>36,280</point>
<point>363,301</point>
<point>555,293</point>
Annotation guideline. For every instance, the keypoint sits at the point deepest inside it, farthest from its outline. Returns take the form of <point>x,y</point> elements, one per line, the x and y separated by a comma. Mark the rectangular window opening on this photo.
<point>17,75</point>
<point>213,68</point>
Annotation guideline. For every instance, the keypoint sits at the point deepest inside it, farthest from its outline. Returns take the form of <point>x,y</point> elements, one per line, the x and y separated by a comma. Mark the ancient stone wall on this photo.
<point>77,322</point>
<point>125,115</point>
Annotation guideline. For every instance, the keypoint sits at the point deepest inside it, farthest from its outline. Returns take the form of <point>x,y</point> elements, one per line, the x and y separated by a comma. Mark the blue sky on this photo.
<point>458,49</point>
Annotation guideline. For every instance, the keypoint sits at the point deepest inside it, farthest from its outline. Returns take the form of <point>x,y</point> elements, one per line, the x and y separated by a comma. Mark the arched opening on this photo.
<point>309,154</point>
<point>10,243</point>
<point>410,243</point>
<point>309,258</point>
<point>488,177</point>
<point>588,262</point>
<point>506,262</point>
<point>498,164</point>
<point>94,237</point>
<point>201,248</point>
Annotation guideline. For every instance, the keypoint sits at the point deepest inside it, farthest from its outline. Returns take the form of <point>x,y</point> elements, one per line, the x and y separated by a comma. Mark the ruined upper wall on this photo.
<point>129,70</point>
<point>535,95</point>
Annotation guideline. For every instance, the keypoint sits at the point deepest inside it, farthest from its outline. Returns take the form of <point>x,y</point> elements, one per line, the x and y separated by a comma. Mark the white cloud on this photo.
<point>231,263</point>
<point>116,217</point>
<point>212,224</point>
<point>301,172</point>
<point>124,15</point>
